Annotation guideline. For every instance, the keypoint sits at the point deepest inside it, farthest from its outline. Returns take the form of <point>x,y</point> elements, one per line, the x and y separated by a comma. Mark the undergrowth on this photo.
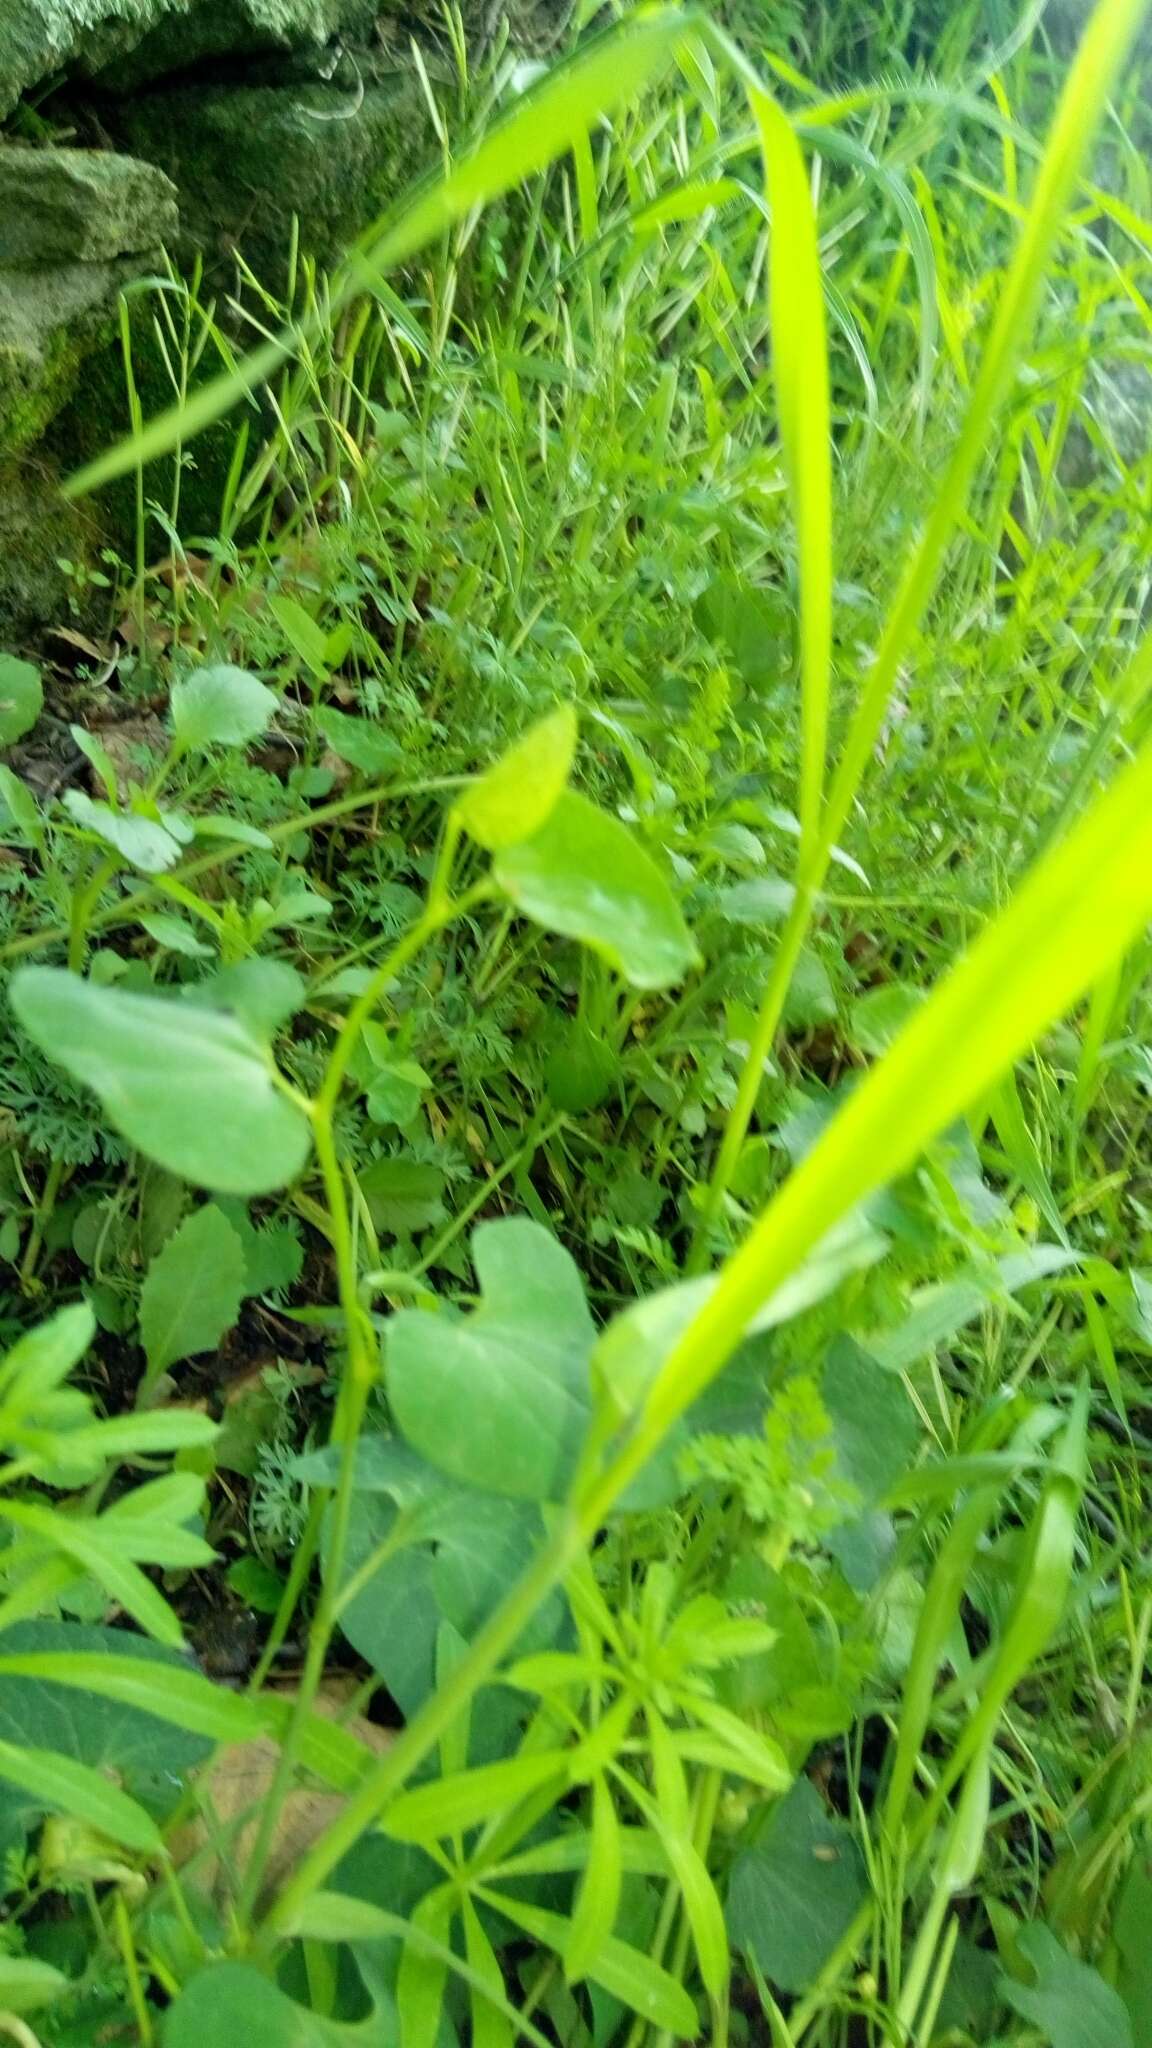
<point>577,1431</point>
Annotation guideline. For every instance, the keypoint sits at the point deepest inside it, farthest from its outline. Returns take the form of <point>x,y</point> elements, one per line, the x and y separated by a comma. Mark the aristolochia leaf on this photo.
<point>583,874</point>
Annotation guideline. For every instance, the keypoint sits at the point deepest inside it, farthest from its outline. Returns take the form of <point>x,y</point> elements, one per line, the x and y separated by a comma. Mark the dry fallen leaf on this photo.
<point>215,1846</point>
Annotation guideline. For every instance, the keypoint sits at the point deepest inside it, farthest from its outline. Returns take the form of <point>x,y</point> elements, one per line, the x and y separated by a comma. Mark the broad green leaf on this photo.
<point>874,1425</point>
<point>193,1290</point>
<point>65,1786</point>
<point>583,874</point>
<point>262,993</point>
<point>232,2002</point>
<point>21,698</point>
<point>403,1195</point>
<point>144,843</point>
<point>520,791</point>
<point>190,1087</point>
<point>794,1894</point>
<point>220,706</point>
<point>465,1799</point>
<point>640,1984</point>
<point>45,1704</point>
<point>1070,2003</point>
<point>44,1663</point>
<point>26,1984</point>
<point>513,1375</point>
<point>460,1552</point>
<point>365,747</point>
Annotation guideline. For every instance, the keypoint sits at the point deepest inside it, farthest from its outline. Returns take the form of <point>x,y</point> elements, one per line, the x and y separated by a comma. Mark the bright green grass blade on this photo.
<point>1078,910</point>
<point>800,363</point>
<point>1106,42</point>
<point>545,123</point>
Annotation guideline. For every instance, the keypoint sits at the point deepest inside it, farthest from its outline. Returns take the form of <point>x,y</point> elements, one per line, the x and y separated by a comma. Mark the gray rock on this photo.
<point>80,206</point>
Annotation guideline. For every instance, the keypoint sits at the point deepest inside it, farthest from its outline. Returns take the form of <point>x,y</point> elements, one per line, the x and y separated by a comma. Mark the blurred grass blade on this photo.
<point>799,330</point>
<point>544,123</point>
<point>1106,41</point>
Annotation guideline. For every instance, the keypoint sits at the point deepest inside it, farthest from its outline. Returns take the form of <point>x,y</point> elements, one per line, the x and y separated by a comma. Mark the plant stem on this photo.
<point>752,1074</point>
<point>362,1368</point>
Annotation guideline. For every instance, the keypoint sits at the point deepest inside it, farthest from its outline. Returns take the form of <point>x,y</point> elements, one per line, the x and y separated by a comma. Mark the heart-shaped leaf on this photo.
<point>520,791</point>
<point>584,875</point>
<point>190,1087</point>
<point>513,1376</point>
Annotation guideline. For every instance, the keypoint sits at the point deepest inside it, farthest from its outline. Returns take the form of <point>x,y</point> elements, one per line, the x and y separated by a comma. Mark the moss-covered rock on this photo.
<point>41,533</point>
<point>80,206</point>
<point>124,42</point>
<point>199,31</point>
<point>251,159</point>
<point>41,37</point>
<point>50,320</point>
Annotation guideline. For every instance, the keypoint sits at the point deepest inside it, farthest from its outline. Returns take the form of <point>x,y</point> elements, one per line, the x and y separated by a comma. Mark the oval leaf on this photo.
<point>220,706</point>
<point>521,790</point>
<point>190,1087</point>
<point>513,1375</point>
<point>21,698</point>
<point>584,875</point>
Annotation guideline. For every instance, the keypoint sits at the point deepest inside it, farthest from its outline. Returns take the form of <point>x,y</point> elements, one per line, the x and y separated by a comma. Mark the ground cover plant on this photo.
<point>576,1228</point>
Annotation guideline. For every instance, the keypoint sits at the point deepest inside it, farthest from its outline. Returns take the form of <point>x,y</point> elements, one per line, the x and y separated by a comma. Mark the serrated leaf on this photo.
<point>520,791</point>
<point>220,706</point>
<point>513,1375</point>
<point>585,876</point>
<point>189,1086</point>
<point>193,1290</point>
<point>21,698</point>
